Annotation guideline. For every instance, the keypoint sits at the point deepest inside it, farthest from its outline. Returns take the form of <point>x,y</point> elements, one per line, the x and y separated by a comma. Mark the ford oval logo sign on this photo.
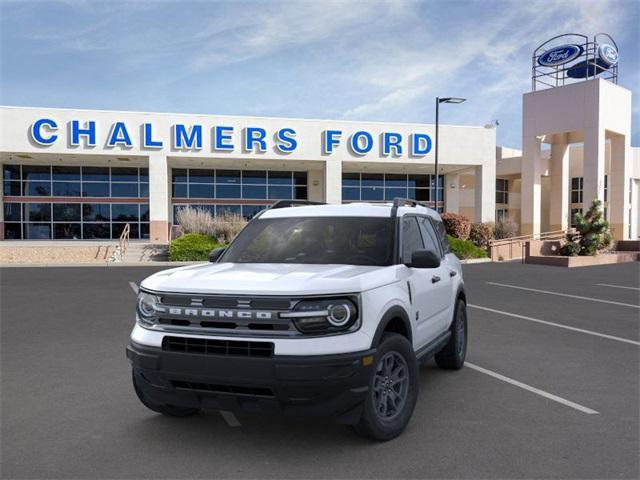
<point>560,55</point>
<point>608,54</point>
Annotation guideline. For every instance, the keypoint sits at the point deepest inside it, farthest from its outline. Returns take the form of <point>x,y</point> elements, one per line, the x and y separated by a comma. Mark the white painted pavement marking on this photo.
<point>134,287</point>
<point>230,418</point>
<point>616,286</point>
<point>565,295</point>
<point>537,391</point>
<point>552,324</point>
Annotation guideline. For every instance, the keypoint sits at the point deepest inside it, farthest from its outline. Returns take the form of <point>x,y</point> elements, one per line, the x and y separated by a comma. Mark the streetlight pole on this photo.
<point>438,102</point>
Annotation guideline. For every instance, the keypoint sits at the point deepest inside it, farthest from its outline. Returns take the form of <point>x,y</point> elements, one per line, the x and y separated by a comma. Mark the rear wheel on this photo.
<point>393,390</point>
<point>452,356</point>
<point>169,410</point>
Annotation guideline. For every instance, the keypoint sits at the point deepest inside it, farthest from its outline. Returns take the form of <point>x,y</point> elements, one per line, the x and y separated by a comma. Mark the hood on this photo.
<point>271,279</point>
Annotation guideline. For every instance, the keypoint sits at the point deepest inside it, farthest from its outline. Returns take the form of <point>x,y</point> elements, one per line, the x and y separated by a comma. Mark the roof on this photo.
<point>355,209</point>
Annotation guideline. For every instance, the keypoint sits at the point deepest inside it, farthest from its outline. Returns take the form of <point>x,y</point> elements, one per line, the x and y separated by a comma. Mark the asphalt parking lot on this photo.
<point>551,389</point>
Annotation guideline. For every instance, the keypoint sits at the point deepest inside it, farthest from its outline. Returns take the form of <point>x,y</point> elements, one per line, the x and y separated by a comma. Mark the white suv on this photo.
<point>312,310</point>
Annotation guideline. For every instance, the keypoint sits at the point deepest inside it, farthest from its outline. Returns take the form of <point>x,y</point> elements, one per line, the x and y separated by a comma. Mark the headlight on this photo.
<point>147,307</point>
<point>330,315</point>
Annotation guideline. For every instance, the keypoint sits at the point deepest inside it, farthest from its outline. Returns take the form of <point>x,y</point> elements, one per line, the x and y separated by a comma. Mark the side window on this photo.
<point>442,233</point>
<point>411,238</point>
<point>430,237</point>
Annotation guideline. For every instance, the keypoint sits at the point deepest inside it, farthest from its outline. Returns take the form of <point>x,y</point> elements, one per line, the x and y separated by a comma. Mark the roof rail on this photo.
<point>293,203</point>
<point>402,202</point>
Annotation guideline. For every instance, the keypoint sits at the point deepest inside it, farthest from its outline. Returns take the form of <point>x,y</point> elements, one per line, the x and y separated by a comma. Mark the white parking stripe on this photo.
<point>590,299</point>
<point>537,391</point>
<point>616,286</point>
<point>230,418</point>
<point>134,287</point>
<point>552,324</point>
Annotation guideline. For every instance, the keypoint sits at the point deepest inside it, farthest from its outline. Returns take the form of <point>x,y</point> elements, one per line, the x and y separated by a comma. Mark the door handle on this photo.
<point>435,279</point>
<point>452,273</point>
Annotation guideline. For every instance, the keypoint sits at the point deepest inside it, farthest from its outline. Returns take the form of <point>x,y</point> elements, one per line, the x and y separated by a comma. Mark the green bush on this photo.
<point>464,249</point>
<point>592,233</point>
<point>192,247</point>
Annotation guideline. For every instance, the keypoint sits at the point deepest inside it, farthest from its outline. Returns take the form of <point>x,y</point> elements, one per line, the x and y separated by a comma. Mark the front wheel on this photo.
<point>393,390</point>
<point>452,355</point>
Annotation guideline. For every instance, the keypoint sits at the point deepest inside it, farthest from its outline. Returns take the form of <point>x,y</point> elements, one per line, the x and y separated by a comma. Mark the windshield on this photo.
<point>343,240</point>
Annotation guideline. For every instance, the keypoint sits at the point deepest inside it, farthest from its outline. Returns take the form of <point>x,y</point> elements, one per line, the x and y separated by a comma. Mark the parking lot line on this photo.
<point>616,286</point>
<point>230,418</point>
<point>134,287</point>
<point>552,324</point>
<point>537,391</point>
<point>590,299</point>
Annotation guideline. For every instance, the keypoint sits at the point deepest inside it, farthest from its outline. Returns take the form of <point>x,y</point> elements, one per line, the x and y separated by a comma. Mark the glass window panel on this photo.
<point>12,188</point>
<point>350,193</point>
<point>411,238</point>
<point>350,179</point>
<point>179,175</point>
<point>66,173</point>
<point>228,209</point>
<point>176,209</point>
<point>280,192</point>
<point>227,191</point>
<point>124,190</point>
<point>93,189</point>
<point>395,180</point>
<point>37,212</point>
<point>144,230</point>
<point>372,193</point>
<point>71,231</point>
<point>144,190</point>
<point>429,236</point>
<point>144,212</point>
<point>201,176</point>
<point>12,212</point>
<point>197,190</point>
<point>227,176</point>
<point>391,193</point>
<point>300,193</point>
<point>92,231</point>
<point>575,183</point>
<point>37,189</point>
<point>95,174</point>
<point>420,194</point>
<point>37,231</point>
<point>250,211</point>
<point>300,178</point>
<point>179,190</point>
<point>254,177</point>
<point>12,231</point>
<point>575,198</point>
<point>254,191</point>
<point>280,178</point>
<point>11,172</point>
<point>124,174</point>
<point>36,172</point>
<point>124,212</point>
<point>96,212</point>
<point>66,212</point>
<point>117,228</point>
<point>440,181</point>
<point>372,180</point>
<point>144,174</point>
<point>419,181</point>
<point>66,189</point>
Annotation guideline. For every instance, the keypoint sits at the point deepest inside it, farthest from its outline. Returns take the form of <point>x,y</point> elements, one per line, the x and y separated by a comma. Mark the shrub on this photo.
<point>458,226</point>
<point>227,226</point>
<point>505,228</point>
<point>192,247</point>
<point>464,249</point>
<point>481,234</point>
<point>591,235</point>
<point>222,227</point>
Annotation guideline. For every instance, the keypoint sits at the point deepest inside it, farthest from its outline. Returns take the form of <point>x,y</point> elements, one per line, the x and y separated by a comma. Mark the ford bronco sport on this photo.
<point>312,310</point>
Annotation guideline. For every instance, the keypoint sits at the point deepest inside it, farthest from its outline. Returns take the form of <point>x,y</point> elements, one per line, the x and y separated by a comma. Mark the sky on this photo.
<point>343,60</point>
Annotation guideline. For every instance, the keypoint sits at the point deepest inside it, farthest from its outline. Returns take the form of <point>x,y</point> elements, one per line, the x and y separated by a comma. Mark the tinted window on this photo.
<point>442,234</point>
<point>66,173</point>
<point>315,240</point>
<point>411,238</point>
<point>429,236</point>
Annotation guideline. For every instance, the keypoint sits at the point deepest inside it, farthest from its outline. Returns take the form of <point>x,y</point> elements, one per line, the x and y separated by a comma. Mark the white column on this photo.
<point>593,166</point>
<point>452,195</point>
<point>159,198</point>
<point>485,192</point>
<point>333,181</point>
<point>531,173</point>
<point>559,201</point>
<point>619,186</point>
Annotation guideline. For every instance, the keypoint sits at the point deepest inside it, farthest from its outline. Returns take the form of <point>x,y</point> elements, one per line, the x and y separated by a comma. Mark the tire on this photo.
<point>168,410</point>
<point>452,355</point>
<point>385,415</point>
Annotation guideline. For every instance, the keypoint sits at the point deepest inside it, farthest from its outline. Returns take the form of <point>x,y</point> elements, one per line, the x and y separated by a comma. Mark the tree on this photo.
<point>591,235</point>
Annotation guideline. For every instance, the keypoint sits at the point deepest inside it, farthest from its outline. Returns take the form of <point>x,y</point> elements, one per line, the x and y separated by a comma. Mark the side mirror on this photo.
<point>424,259</point>
<point>215,254</point>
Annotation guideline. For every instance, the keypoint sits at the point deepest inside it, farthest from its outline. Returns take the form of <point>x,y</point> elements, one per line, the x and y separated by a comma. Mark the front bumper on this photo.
<point>318,385</point>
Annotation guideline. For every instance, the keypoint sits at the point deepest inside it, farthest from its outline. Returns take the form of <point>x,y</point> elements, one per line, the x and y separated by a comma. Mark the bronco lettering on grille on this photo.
<point>217,313</point>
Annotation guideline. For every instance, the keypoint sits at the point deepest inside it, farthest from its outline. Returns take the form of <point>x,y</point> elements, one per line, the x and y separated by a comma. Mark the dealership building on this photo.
<point>85,174</point>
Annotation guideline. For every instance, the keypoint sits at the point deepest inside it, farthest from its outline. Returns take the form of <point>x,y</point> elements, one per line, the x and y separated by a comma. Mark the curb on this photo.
<point>471,261</point>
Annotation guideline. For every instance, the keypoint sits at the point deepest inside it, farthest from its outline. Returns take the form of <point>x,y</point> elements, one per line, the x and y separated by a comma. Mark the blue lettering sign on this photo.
<point>119,136</point>
<point>221,137</point>
<point>37,134</point>
<point>147,138</point>
<point>187,139</point>
<point>286,142</point>
<point>560,55</point>
<point>391,140</point>
<point>89,132</point>
<point>421,144</point>
<point>255,136</point>
<point>357,146</point>
<point>331,140</point>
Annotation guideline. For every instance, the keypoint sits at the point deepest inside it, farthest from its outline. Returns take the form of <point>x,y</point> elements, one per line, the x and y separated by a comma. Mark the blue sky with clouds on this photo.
<point>356,60</point>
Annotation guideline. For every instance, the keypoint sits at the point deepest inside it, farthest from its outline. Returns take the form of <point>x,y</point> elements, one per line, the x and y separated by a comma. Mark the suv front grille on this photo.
<point>215,388</point>
<point>208,346</point>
